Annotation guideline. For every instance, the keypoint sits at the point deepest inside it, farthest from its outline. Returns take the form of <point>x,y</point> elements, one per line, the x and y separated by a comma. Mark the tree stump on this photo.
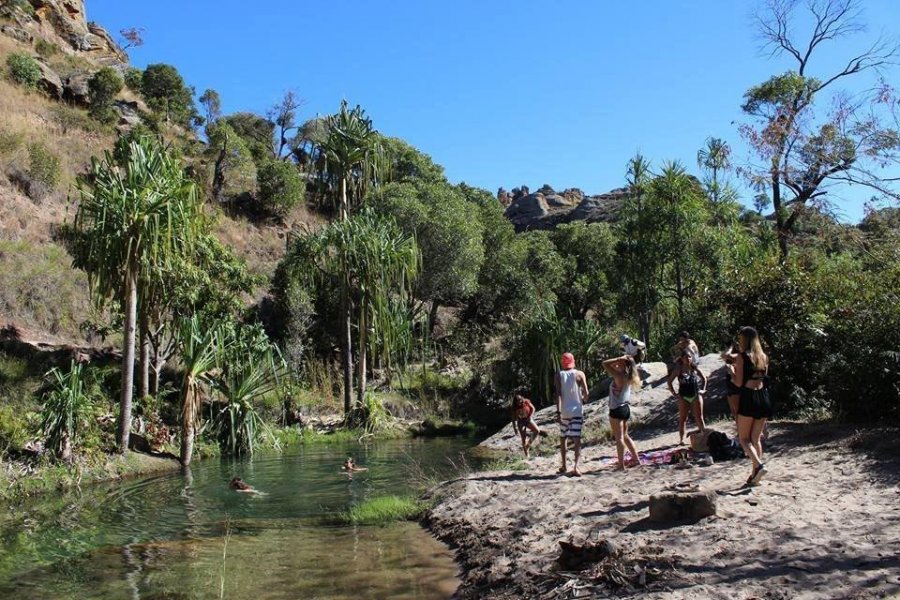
<point>682,506</point>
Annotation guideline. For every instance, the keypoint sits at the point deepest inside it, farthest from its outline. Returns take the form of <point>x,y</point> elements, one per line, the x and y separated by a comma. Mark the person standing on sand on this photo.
<point>571,391</point>
<point>690,396</point>
<point>523,421</point>
<point>754,407</point>
<point>623,370</point>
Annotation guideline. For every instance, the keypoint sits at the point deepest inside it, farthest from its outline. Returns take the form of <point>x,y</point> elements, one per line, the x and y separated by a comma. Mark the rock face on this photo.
<point>66,20</point>
<point>76,89</point>
<point>546,208</point>
<point>50,81</point>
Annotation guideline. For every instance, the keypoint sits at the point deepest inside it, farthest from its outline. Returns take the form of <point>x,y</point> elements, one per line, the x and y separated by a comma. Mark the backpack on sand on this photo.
<point>721,447</point>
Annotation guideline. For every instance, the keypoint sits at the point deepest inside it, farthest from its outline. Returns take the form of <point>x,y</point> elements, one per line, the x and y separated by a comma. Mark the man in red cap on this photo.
<point>571,392</point>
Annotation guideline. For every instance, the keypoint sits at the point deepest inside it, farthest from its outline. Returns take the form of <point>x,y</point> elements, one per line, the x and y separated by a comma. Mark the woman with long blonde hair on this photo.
<point>626,379</point>
<point>754,406</point>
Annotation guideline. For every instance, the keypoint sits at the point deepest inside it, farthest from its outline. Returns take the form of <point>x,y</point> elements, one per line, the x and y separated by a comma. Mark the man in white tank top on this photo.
<point>571,391</point>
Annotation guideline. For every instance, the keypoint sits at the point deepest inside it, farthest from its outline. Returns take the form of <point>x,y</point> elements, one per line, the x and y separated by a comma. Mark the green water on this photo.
<point>187,535</point>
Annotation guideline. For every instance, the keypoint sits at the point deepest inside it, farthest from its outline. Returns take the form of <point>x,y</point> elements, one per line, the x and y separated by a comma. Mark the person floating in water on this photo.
<point>239,485</point>
<point>349,466</point>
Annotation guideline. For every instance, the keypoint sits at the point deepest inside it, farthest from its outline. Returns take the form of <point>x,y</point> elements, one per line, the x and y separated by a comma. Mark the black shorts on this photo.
<point>623,413</point>
<point>755,404</point>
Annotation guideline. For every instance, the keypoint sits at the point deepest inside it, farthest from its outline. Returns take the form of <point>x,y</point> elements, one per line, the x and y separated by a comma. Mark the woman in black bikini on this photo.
<point>754,406</point>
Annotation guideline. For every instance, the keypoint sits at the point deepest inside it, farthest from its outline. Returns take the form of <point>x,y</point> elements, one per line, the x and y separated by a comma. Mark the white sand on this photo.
<point>824,523</point>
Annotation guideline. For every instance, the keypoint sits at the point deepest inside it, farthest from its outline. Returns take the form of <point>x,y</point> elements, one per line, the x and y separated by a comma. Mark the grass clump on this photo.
<point>24,70</point>
<point>44,171</point>
<point>382,510</point>
<point>506,463</point>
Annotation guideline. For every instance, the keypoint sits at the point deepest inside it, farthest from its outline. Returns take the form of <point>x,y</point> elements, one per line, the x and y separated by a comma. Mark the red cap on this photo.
<point>568,361</point>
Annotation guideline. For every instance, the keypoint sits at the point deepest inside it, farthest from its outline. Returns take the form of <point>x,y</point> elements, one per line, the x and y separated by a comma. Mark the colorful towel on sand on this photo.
<point>654,457</point>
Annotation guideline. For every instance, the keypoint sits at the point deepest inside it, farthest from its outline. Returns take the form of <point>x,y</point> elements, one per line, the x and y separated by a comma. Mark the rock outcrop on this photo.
<point>546,208</point>
<point>50,81</point>
<point>65,21</point>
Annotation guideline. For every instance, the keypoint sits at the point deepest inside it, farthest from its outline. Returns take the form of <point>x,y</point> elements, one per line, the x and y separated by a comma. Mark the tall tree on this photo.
<point>805,151</point>
<point>135,216</point>
<point>350,156</point>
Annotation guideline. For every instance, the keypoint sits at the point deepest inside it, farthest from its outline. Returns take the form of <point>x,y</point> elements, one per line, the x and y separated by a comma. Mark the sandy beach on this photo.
<point>824,523</point>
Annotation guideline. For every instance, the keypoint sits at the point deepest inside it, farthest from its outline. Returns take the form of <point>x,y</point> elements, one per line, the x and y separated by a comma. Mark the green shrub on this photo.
<point>66,407</point>
<point>24,70</point>
<point>45,48</point>
<point>133,78</point>
<point>104,85</point>
<point>43,171</point>
<point>280,187</point>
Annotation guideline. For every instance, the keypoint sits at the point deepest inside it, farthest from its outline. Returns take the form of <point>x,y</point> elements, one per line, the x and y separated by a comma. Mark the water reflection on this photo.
<point>186,535</point>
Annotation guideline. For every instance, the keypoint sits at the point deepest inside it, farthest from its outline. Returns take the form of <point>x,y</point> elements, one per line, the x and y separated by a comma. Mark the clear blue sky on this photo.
<point>500,92</point>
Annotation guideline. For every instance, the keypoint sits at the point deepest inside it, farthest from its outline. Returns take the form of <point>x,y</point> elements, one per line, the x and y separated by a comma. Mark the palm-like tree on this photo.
<point>348,151</point>
<point>714,157</point>
<point>136,215</point>
<point>378,263</point>
<point>252,370</point>
<point>201,349</point>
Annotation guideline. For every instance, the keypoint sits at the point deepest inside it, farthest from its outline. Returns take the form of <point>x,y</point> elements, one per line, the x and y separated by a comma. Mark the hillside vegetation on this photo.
<point>253,270</point>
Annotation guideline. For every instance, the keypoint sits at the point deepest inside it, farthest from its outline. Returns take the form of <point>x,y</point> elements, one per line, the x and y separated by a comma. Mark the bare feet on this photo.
<point>561,471</point>
<point>576,472</point>
<point>619,468</point>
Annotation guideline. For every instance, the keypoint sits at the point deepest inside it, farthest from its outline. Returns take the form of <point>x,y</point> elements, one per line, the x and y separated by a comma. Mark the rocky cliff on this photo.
<point>63,22</point>
<point>545,208</point>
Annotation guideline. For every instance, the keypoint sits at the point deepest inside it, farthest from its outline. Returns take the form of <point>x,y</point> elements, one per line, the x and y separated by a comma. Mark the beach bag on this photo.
<point>722,447</point>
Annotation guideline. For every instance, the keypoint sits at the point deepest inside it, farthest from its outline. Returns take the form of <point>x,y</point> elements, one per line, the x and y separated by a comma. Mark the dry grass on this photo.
<point>39,287</point>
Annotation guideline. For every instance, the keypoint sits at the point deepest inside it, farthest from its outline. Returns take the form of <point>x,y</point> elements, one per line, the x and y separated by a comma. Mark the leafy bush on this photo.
<point>133,79</point>
<point>24,70</point>
<point>43,171</point>
<point>280,187</point>
<point>104,85</point>
<point>66,406</point>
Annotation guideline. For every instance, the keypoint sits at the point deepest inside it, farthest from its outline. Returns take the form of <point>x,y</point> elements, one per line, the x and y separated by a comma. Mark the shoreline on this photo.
<point>825,523</point>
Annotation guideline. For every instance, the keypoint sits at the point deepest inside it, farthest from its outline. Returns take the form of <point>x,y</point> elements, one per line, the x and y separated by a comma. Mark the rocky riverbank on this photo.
<point>825,522</point>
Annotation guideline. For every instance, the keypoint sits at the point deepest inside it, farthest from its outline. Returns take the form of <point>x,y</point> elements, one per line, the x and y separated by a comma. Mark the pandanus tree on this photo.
<point>137,214</point>
<point>378,264</point>
<point>347,155</point>
<point>201,349</point>
<point>252,369</point>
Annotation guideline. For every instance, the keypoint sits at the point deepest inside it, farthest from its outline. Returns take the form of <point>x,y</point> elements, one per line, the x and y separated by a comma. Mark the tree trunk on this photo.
<point>345,209</point>
<point>361,365</point>
<point>432,316</point>
<point>124,428</point>
<point>347,348</point>
<point>155,367</point>
<point>187,420</point>
<point>145,356</point>
<point>779,217</point>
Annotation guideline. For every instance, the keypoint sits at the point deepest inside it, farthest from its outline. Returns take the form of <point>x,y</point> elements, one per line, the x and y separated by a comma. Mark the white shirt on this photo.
<point>571,395</point>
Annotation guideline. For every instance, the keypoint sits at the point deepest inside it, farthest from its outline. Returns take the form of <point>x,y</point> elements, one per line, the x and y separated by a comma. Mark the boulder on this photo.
<point>556,200</point>
<point>17,33</point>
<point>601,208</point>
<point>673,507</point>
<point>76,88</point>
<point>527,208</point>
<point>50,81</point>
<point>128,113</point>
<point>577,556</point>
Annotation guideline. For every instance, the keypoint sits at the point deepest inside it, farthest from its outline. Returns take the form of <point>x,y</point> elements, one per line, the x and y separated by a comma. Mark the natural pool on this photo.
<point>187,535</point>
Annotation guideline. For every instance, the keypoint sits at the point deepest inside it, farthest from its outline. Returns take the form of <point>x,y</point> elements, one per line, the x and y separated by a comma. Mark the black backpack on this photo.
<point>721,447</point>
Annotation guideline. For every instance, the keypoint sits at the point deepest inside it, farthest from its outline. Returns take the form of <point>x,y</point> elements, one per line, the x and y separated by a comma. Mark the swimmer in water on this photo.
<point>239,485</point>
<point>349,466</point>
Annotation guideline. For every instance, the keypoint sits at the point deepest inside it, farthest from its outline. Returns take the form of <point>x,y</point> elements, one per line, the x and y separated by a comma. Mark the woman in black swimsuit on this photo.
<point>754,406</point>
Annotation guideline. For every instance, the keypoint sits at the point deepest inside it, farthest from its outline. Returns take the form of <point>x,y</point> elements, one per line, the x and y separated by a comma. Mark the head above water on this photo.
<point>567,361</point>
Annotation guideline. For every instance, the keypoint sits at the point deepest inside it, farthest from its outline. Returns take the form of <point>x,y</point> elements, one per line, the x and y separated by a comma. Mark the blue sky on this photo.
<point>500,92</point>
